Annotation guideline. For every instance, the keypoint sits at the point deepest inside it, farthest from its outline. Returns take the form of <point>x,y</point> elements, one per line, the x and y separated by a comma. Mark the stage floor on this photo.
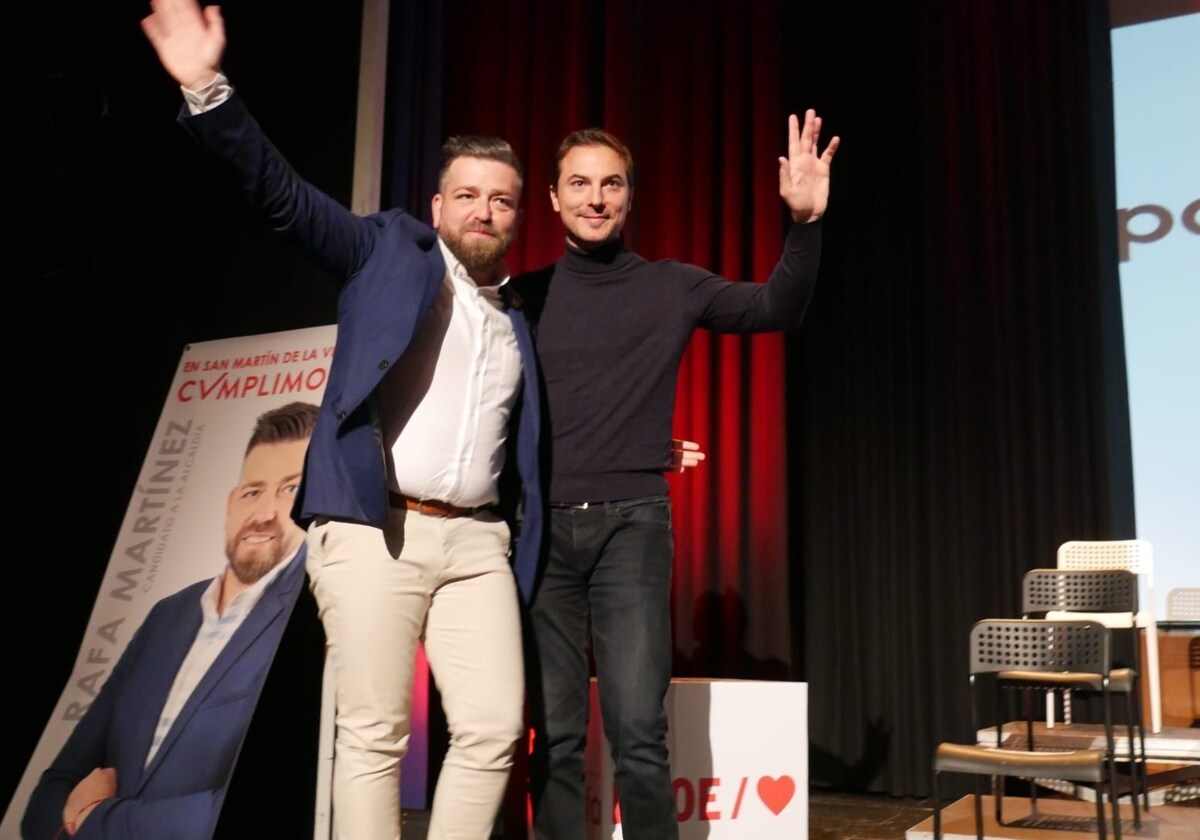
<point>1173,743</point>
<point>1057,819</point>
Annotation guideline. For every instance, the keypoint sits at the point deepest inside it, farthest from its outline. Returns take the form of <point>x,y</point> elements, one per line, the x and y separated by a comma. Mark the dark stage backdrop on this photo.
<point>950,411</point>
<point>956,402</point>
<point>952,408</point>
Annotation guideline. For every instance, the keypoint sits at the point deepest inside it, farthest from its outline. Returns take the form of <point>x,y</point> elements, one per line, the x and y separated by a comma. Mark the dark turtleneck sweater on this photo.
<point>611,328</point>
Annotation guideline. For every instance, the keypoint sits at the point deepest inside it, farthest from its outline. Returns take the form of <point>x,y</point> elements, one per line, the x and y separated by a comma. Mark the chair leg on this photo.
<point>978,808</point>
<point>1135,787</point>
<point>999,784</point>
<point>1099,813</point>
<point>1152,674</point>
<point>1001,706</point>
<point>1141,729</point>
<point>1116,806</point>
<point>1112,767</point>
<point>1028,701</point>
<point>937,807</point>
<point>997,781</point>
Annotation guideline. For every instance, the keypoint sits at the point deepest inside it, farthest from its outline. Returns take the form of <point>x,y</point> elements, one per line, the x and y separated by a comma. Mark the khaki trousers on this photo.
<point>447,583</point>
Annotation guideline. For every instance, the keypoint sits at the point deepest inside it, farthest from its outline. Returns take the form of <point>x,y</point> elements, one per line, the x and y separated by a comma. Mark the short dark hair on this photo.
<point>477,146</point>
<point>593,137</point>
<point>294,421</point>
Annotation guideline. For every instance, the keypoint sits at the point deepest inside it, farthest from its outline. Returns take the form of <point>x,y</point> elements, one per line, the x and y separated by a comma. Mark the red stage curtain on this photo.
<point>700,106</point>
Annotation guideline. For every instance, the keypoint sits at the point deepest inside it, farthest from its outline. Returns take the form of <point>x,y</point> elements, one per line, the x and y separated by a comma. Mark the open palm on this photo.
<point>803,174</point>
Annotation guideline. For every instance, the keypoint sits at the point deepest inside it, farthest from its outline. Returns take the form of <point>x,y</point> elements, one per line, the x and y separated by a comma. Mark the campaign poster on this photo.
<point>173,532</point>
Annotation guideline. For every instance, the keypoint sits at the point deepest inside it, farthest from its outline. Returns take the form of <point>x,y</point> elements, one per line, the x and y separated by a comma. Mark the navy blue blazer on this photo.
<point>391,269</point>
<point>178,796</point>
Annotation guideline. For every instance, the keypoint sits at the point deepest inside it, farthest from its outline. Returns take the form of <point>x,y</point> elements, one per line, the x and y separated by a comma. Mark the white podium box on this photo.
<point>739,761</point>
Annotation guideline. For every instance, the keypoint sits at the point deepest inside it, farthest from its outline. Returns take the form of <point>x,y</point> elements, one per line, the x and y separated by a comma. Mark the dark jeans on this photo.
<point>610,562</point>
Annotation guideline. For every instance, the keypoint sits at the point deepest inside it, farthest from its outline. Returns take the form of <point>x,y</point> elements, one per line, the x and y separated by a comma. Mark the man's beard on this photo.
<point>250,562</point>
<point>477,254</point>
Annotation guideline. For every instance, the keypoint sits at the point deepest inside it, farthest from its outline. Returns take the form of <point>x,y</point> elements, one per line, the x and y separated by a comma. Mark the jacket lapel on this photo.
<point>529,365</point>
<point>273,604</point>
<point>179,634</point>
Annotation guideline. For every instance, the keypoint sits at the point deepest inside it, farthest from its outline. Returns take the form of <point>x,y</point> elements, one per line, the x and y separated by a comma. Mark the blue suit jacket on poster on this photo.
<point>178,795</point>
<point>391,268</point>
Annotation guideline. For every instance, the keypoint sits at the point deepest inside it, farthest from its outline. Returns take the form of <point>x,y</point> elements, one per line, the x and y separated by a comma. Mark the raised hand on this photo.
<point>189,40</point>
<point>803,174</point>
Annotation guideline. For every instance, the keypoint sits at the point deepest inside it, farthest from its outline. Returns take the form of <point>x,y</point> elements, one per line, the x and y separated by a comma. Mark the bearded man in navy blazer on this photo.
<point>432,390</point>
<point>154,753</point>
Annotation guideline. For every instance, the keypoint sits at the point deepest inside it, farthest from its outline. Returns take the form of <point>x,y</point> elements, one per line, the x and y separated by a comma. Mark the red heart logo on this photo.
<point>776,793</point>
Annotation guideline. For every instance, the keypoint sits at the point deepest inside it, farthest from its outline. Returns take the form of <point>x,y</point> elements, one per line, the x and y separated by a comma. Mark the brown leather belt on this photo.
<point>432,507</point>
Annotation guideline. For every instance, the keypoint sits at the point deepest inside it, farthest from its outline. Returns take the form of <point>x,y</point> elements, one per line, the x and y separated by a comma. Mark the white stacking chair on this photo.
<point>1136,556</point>
<point>1183,604</point>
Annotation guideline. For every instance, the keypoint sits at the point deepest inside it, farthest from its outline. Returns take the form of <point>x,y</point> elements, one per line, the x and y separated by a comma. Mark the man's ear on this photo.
<point>554,199</point>
<point>436,206</point>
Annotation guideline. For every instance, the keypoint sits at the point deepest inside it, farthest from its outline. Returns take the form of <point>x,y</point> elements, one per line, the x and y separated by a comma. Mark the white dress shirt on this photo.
<point>445,404</point>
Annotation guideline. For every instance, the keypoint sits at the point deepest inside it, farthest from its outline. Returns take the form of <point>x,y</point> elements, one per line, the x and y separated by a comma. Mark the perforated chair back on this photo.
<point>1135,556</point>
<point>1039,645</point>
<point>1183,604</point>
<point>1111,592</point>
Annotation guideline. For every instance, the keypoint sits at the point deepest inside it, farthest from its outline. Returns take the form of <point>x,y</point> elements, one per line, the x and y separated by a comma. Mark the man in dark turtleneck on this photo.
<point>611,328</point>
